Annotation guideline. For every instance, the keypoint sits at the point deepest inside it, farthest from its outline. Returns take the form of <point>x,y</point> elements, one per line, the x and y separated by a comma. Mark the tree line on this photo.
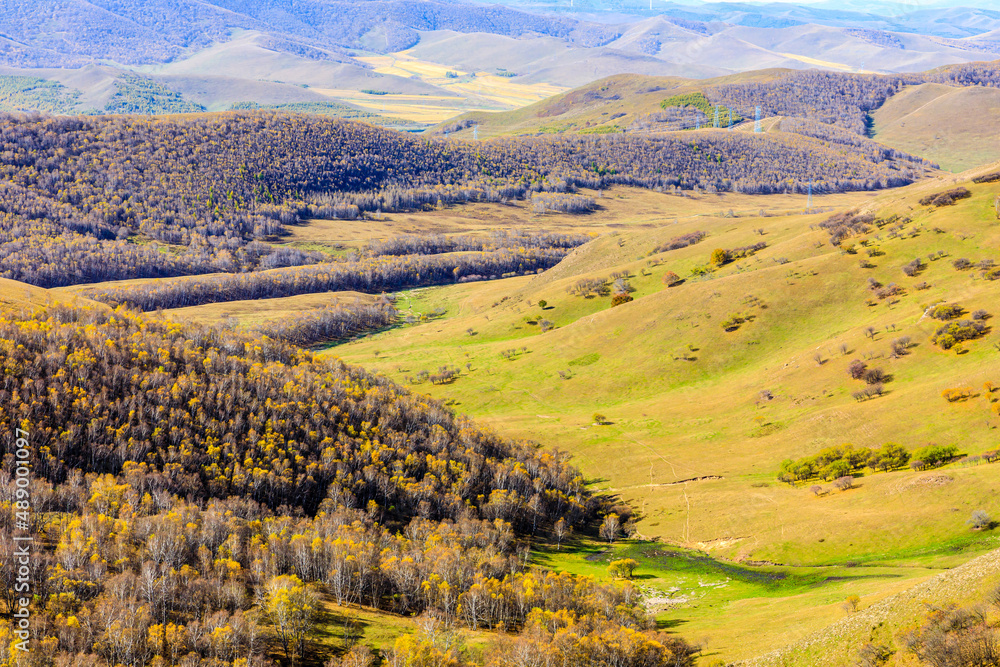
<point>100,198</point>
<point>382,273</point>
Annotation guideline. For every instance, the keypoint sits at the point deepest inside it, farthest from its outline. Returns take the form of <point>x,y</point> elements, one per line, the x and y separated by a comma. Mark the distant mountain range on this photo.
<point>418,62</point>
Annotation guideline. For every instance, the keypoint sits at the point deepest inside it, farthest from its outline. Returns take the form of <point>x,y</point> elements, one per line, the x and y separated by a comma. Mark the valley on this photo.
<point>462,334</point>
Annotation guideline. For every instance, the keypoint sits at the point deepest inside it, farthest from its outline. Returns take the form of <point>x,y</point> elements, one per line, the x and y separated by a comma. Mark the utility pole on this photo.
<point>809,201</point>
<point>716,115</point>
<point>475,133</point>
<point>756,123</point>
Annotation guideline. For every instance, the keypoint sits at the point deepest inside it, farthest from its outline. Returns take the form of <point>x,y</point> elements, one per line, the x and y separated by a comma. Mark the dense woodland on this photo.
<point>331,323</point>
<point>93,199</point>
<point>196,492</point>
<point>372,275</point>
<point>835,98</point>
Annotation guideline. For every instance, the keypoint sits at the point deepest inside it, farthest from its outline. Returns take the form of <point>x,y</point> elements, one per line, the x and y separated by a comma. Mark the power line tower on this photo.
<point>809,201</point>
<point>756,122</point>
<point>475,133</point>
<point>730,119</point>
<point>716,115</point>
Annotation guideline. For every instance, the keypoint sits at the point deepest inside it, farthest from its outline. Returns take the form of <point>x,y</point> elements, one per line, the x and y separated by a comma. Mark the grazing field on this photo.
<point>618,208</point>
<point>955,127</point>
<point>697,419</point>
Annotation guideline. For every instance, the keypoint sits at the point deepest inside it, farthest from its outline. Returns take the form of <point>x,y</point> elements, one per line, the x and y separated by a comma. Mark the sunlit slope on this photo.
<point>16,294</point>
<point>607,105</point>
<point>693,439</point>
<point>954,127</point>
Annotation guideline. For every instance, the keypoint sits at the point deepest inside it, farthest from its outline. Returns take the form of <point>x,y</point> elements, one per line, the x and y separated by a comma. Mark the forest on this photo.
<point>195,487</point>
<point>111,198</point>
<point>372,275</point>
<point>836,98</point>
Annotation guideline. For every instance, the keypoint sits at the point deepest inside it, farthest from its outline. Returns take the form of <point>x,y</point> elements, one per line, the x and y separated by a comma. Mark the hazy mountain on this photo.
<point>456,55</point>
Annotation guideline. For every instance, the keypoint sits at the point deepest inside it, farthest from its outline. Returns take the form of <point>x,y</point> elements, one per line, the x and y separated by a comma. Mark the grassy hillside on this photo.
<point>697,419</point>
<point>608,105</point>
<point>953,127</point>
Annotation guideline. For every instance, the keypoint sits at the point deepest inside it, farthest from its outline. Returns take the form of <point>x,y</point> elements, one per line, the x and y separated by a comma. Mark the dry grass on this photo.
<point>257,311</point>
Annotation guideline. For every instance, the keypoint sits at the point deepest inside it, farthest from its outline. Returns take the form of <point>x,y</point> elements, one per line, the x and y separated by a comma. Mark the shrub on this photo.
<point>623,568</point>
<point>680,242</point>
<point>892,289</point>
<point>913,268</point>
<point>980,315</point>
<point>719,257</point>
<point>600,419</point>
<point>856,369</point>
<point>946,311</point>
<point>980,520</point>
<point>961,264</point>
<point>900,346</point>
<point>844,483</point>
<point>874,376</point>
<point>670,279</point>
<point>987,178</point>
<point>734,322</point>
<point>957,394</point>
<point>945,198</point>
<point>953,333</point>
<point>619,299</point>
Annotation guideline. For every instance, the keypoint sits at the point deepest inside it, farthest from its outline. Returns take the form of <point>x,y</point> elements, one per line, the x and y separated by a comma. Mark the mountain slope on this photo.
<point>950,126</point>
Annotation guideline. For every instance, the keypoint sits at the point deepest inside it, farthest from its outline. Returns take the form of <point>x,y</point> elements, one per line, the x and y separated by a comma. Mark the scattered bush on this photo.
<point>913,268</point>
<point>874,376</point>
<point>734,322</point>
<point>871,391</point>
<point>623,568</point>
<point>892,289</point>
<point>900,346</point>
<point>953,333</point>
<point>945,198</point>
<point>958,394</point>
<point>679,242</point>
<point>619,299</point>
<point>946,311</point>
<point>961,264</point>
<point>670,279</point>
<point>856,369</point>
<point>844,483</point>
<point>987,178</point>
<point>980,520</point>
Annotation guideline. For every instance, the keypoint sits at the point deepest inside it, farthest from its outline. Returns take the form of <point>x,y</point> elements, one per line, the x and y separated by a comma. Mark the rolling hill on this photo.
<point>697,417</point>
<point>950,126</point>
<point>457,56</point>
